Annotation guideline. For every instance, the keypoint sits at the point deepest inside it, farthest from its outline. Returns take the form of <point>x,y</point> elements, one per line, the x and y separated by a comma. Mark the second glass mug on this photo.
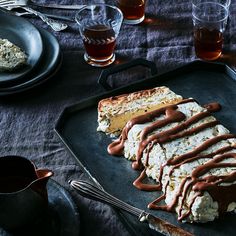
<point>133,10</point>
<point>209,21</point>
<point>99,26</point>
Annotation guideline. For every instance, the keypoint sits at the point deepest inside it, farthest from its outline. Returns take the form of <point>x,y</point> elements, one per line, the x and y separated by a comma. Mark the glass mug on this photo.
<point>99,26</point>
<point>133,10</point>
<point>209,22</point>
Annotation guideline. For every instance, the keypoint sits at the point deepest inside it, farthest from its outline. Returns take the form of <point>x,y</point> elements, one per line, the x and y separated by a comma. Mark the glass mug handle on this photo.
<point>103,78</point>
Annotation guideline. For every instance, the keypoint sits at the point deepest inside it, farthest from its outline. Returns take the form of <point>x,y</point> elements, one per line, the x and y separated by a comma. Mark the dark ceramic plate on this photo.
<point>26,36</point>
<point>62,218</point>
<point>50,62</point>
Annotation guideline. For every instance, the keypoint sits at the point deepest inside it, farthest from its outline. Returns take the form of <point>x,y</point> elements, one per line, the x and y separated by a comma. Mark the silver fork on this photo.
<point>55,25</point>
<point>17,3</point>
<point>25,13</point>
<point>161,226</point>
<point>32,3</point>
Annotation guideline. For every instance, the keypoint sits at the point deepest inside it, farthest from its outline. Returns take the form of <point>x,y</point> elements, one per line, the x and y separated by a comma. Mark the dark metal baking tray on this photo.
<point>206,82</point>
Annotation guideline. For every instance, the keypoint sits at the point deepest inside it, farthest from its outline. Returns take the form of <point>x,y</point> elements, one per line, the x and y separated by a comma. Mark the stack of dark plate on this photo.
<point>42,50</point>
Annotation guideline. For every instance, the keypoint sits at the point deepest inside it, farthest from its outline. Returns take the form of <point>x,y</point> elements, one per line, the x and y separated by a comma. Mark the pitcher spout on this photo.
<point>39,185</point>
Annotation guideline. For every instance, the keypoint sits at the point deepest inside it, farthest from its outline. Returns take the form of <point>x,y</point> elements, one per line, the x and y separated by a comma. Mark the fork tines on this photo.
<point>6,3</point>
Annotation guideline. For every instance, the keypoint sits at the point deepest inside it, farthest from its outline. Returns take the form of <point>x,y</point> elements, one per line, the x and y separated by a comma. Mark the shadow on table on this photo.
<point>167,23</point>
<point>228,57</point>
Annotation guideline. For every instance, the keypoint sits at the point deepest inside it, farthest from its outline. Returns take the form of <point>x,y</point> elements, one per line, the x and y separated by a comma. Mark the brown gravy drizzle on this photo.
<point>223,194</point>
<point>213,107</point>
<point>116,147</point>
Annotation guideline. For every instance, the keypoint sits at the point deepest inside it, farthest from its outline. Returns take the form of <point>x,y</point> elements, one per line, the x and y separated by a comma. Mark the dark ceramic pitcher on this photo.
<point>23,192</point>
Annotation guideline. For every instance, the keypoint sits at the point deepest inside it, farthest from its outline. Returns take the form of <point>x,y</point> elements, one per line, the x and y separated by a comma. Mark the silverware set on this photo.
<point>26,6</point>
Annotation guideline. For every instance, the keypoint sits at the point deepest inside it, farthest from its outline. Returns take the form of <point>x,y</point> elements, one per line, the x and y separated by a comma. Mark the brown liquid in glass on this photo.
<point>132,9</point>
<point>208,43</point>
<point>99,41</point>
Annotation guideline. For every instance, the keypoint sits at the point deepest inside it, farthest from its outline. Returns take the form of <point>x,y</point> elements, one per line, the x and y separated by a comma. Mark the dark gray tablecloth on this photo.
<point>27,122</point>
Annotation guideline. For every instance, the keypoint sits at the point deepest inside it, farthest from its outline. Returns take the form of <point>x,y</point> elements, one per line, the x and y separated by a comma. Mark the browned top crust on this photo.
<point>114,112</point>
<point>129,97</point>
